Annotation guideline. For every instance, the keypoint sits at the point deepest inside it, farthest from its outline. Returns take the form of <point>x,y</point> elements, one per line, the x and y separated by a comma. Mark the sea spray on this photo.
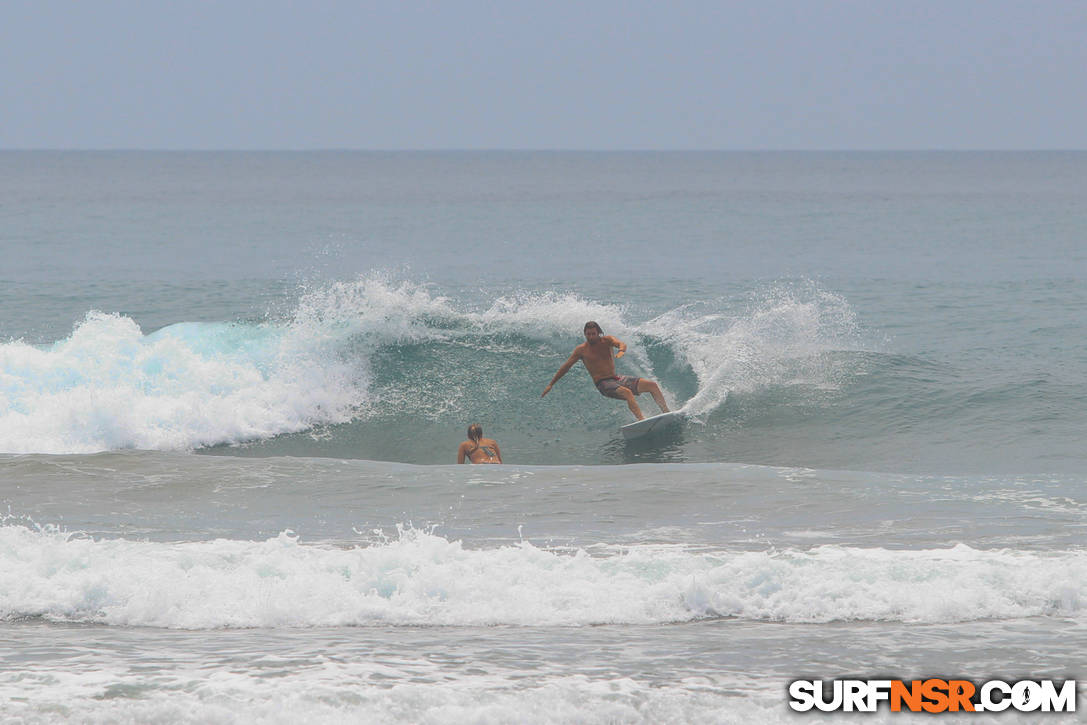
<point>779,336</point>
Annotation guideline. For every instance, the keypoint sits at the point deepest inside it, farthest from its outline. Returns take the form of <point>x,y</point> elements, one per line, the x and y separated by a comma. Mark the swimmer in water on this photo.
<point>478,449</point>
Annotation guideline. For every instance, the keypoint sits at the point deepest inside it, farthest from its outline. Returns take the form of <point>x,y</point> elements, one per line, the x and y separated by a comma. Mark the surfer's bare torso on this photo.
<point>595,353</point>
<point>598,358</point>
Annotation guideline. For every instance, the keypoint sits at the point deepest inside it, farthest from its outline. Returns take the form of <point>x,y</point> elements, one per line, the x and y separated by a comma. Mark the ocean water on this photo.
<point>232,386</point>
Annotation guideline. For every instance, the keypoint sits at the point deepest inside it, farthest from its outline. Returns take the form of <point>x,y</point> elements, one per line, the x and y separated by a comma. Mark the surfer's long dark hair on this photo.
<point>475,432</point>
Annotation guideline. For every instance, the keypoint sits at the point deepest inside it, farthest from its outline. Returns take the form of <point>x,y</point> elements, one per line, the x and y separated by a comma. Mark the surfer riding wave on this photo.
<point>596,354</point>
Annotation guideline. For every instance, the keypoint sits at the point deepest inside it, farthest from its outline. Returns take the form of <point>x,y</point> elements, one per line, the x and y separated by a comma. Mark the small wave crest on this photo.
<point>422,578</point>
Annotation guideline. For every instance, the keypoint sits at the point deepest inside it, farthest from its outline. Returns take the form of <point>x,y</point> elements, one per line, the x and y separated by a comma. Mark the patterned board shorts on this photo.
<point>609,386</point>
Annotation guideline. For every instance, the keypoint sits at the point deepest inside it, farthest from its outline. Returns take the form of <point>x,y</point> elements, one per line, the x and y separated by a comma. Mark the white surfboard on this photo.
<point>656,423</point>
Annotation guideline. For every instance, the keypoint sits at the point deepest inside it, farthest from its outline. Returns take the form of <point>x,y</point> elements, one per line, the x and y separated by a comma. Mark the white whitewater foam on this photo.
<point>108,386</point>
<point>367,692</point>
<point>424,579</point>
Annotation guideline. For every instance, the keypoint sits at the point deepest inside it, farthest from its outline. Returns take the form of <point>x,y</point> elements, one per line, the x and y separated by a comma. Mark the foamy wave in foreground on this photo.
<point>424,579</point>
<point>354,692</point>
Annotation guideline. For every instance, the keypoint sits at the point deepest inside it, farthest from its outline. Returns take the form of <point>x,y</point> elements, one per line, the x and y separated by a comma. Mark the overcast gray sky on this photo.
<point>764,74</point>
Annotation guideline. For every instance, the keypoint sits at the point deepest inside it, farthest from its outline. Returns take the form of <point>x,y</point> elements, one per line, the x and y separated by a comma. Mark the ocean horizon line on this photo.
<point>529,150</point>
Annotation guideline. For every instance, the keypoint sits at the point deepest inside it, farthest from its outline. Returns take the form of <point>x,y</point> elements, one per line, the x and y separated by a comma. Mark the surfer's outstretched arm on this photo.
<point>570,362</point>
<point>616,342</point>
